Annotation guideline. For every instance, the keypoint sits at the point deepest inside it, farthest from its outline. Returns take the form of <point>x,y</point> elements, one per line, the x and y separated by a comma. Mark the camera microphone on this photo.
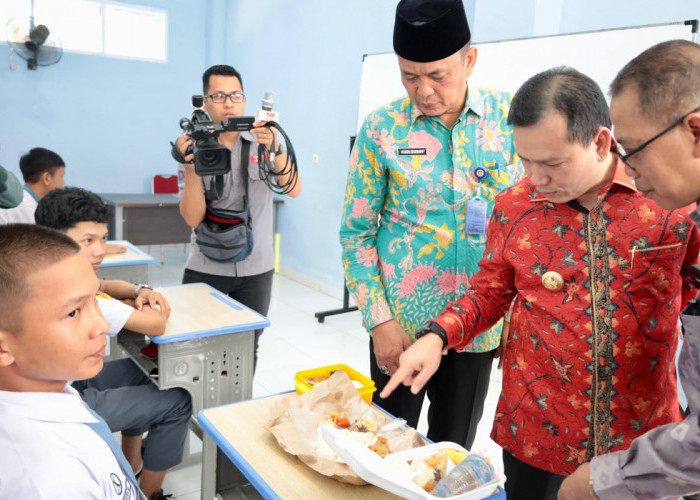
<point>265,113</point>
<point>197,101</point>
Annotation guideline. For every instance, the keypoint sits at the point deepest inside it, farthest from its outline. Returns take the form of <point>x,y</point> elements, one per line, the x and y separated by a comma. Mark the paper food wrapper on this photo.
<point>294,422</point>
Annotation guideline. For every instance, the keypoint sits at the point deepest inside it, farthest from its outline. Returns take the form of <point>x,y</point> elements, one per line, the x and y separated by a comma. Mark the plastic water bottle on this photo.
<point>471,473</point>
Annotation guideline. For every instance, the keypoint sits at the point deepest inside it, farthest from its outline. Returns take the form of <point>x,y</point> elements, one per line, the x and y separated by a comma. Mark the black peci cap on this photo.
<point>430,30</point>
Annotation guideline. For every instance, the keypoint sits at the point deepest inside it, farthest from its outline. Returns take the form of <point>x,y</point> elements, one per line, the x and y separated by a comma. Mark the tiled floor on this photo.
<point>295,341</point>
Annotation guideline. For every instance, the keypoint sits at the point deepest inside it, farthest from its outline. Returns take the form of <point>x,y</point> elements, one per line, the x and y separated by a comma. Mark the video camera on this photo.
<point>210,156</point>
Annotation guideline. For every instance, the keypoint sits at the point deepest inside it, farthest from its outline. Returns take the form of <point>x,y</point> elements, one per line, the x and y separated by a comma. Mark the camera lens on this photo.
<point>210,158</point>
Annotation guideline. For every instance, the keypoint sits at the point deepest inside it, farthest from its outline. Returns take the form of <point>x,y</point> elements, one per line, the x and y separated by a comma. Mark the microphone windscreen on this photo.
<point>268,100</point>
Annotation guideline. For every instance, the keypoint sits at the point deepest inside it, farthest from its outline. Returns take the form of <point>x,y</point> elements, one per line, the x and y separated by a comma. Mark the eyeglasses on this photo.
<point>220,97</point>
<point>624,156</point>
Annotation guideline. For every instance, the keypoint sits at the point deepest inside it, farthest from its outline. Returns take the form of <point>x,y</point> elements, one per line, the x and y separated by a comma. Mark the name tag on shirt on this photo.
<point>476,216</point>
<point>255,160</point>
<point>412,151</point>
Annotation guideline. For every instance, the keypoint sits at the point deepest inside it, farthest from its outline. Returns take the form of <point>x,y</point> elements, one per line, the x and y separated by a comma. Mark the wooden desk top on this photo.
<point>131,257</point>
<point>198,310</point>
<point>239,430</point>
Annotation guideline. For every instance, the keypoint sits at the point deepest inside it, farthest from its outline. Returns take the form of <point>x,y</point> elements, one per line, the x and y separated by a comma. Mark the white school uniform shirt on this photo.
<point>48,452</point>
<point>116,312</point>
<point>22,213</point>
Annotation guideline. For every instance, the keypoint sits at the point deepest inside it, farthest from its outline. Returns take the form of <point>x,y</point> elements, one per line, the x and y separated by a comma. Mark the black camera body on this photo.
<point>210,156</point>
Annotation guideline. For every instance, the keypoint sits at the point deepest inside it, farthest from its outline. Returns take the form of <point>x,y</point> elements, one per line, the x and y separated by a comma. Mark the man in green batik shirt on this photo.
<point>424,172</point>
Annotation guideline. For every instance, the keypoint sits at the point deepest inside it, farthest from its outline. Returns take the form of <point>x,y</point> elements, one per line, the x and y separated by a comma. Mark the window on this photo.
<point>76,23</point>
<point>96,26</point>
<point>135,32</point>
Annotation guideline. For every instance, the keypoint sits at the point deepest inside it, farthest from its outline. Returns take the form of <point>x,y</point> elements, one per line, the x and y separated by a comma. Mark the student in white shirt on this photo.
<point>43,171</point>
<point>52,331</point>
<point>121,393</point>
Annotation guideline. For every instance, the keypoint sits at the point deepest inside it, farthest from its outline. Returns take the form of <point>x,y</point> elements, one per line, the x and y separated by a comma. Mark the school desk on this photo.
<point>239,431</point>
<point>207,349</point>
<point>131,266</point>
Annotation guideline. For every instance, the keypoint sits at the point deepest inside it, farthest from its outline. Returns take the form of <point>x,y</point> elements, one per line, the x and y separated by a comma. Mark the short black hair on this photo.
<point>666,77</point>
<point>38,161</point>
<point>62,209</point>
<point>26,249</point>
<point>567,91</point>
<point>222,70</point>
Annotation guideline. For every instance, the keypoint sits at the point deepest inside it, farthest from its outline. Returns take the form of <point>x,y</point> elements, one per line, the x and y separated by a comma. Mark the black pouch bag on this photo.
<point>227,235</point>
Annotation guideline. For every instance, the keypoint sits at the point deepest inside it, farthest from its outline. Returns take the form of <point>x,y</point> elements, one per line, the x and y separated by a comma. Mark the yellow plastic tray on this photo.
<point>302,385</point>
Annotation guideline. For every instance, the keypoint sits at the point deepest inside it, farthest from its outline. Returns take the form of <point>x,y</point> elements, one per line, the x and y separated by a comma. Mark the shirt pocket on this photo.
<point>669,256</point>
<point>254,166</point>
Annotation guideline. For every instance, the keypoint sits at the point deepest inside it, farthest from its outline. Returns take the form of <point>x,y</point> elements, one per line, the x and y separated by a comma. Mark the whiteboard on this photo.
<point>505,65</point>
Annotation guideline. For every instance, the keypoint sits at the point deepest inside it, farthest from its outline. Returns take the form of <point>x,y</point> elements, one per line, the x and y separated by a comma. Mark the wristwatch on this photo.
<point>433,327</point>
<point>138,289</point>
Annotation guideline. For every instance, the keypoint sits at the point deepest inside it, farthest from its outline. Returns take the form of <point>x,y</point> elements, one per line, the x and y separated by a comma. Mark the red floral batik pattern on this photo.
<point>589,366</point>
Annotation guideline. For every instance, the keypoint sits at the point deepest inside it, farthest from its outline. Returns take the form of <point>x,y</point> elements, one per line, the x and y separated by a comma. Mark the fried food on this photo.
<point>380,447</point>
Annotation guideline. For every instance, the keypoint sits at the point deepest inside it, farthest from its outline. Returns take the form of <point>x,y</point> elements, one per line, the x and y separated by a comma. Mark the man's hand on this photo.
<point>153,299</point>
<point>390,341</point>
<point>576,486</point>
<point>184,142</point>
<point>417,365</point>
<point>265,135</point>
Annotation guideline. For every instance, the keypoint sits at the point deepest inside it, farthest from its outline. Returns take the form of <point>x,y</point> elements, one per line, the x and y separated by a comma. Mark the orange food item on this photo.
<point>380,447</point>
<point>340,419</point>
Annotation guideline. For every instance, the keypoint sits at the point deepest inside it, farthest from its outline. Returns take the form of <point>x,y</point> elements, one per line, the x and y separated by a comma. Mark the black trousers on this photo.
<point>456,392</point>
<point>525,482</point>
<point>251,291</point>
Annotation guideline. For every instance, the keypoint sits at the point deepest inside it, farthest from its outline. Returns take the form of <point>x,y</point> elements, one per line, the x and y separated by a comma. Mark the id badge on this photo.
<point>476,216</point>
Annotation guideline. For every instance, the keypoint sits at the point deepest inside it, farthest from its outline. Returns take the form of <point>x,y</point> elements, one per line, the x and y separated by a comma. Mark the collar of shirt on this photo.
<point>474,102</point>
<point>65,407</point>
<point>31,193</point>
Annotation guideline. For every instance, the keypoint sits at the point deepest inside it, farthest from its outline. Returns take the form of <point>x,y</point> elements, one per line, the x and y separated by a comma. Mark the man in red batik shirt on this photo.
<point>596,274</point>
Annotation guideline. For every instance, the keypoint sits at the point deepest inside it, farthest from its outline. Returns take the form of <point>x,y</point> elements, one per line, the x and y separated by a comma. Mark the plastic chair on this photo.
<point>165,184</point>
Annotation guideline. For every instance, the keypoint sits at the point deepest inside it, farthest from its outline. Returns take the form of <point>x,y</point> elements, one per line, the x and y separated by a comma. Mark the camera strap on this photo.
<point>216,187</point>
<point>177,155</point>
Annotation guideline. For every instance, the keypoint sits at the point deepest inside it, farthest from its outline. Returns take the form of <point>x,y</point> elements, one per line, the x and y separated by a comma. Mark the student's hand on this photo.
<point>417,365</point>
<point>153,299</point>
<point>390,341</point>
<point>112,248</point>
<point>183,142</point>
<point>265,135</point>
<point>129,302</point>
<point>576,486</point>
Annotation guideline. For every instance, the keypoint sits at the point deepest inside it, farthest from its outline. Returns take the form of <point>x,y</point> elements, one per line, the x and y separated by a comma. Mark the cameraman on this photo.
<point>250,280</point>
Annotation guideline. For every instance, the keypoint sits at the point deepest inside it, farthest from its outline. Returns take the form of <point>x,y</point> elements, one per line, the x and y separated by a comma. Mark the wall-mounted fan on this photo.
<point>33,42</point>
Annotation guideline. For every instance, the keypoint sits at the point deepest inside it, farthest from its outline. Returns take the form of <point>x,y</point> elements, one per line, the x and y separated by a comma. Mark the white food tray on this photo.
<point>392,473</point>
